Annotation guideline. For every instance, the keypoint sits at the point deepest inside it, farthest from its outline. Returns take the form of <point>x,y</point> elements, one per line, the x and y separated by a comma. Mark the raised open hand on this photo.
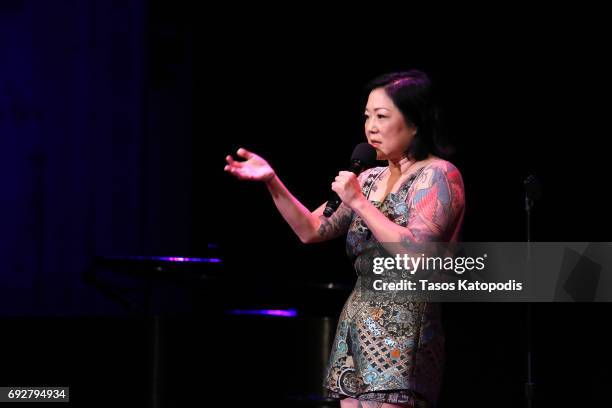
<point>254,168</point>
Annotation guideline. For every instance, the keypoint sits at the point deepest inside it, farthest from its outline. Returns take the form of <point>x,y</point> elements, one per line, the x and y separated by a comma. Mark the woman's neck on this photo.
<point>402,165</point>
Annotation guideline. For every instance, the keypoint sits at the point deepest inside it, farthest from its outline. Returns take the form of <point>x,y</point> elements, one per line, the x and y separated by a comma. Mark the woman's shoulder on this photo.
<point>442,173</point>
<point>439,163</point>
<point>443,167</point>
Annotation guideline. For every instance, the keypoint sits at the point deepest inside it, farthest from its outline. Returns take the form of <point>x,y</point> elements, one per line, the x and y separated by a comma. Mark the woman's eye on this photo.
<point>380,116</point>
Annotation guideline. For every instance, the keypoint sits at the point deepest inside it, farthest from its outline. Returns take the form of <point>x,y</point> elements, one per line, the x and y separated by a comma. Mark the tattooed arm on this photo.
<point>310,227</point>
<point>436,206</point>
<point>435,209</point>
<point>334,226</point>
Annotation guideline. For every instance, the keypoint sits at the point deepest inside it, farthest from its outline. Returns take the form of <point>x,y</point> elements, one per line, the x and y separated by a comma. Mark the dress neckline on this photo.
<point>401,187</point>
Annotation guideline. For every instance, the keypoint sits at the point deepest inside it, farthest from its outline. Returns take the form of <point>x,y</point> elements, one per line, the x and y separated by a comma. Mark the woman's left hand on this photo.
<point>348,189</point>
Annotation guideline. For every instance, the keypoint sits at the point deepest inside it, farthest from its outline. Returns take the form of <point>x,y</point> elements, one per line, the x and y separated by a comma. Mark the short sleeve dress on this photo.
<point>386,351</point>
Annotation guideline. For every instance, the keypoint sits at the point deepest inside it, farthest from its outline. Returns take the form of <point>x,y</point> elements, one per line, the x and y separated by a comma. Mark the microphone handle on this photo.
<point>334,201</point>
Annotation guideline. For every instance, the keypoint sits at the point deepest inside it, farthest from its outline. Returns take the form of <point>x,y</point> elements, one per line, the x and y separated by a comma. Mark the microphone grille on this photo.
<point>365,153</point>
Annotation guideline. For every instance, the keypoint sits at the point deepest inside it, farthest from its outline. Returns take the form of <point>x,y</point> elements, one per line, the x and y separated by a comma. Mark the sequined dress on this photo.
<point>385,350</point>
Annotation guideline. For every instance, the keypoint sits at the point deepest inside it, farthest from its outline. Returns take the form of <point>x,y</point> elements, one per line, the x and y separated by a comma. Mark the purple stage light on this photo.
<point>181,259</point>
<point>265,312</point>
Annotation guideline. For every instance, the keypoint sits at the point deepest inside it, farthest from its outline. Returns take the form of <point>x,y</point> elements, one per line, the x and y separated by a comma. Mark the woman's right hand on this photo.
<point>254,168</point>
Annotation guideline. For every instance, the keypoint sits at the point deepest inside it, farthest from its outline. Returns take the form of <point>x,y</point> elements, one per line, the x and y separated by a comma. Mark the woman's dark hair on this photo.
<point>411,91</point>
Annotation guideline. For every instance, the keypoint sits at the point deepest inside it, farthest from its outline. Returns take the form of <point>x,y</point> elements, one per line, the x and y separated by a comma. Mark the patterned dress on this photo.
<point>386,350</point>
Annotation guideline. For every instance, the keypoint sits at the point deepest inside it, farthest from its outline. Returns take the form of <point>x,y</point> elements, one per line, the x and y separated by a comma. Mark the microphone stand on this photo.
<point>532,193</point>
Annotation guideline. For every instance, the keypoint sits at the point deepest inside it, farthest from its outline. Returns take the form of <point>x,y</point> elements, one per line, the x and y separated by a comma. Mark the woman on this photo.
<point>385,354</point>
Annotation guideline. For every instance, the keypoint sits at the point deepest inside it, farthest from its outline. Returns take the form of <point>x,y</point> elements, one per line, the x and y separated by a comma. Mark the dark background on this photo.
<point>115,117</point>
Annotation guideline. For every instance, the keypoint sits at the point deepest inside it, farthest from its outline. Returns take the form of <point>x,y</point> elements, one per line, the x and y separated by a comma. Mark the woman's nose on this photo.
<point>371,128</point>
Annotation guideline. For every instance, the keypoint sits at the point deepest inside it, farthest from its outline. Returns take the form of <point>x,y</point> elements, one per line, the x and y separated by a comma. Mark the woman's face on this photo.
<point>385,127</point>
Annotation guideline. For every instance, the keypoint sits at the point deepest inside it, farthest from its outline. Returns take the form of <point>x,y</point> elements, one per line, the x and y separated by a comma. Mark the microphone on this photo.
<point>363,157</point>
